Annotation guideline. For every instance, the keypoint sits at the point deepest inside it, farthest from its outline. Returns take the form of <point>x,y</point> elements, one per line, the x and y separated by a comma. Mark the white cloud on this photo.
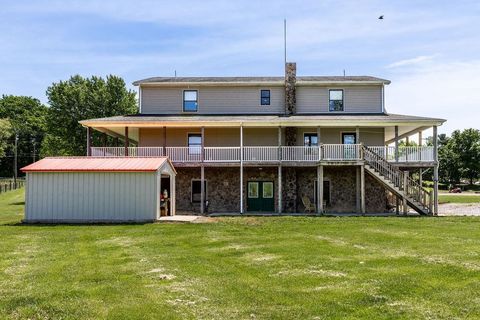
<point>412,62</point>
<point>442,90</point>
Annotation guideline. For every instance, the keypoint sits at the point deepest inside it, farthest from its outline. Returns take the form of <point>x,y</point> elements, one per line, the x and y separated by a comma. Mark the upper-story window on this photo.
<point>265,97</point>
<point>190,101</point>
<point>336,100</point>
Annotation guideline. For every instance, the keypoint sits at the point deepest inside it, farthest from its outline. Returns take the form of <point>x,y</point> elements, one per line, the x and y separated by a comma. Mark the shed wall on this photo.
<point>91,196</point>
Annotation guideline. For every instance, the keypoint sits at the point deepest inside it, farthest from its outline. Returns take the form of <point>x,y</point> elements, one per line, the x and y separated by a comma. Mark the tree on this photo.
<point>5,133</point>
<point>78,99</point>
<point>465,146</point>
<point>27,120</point>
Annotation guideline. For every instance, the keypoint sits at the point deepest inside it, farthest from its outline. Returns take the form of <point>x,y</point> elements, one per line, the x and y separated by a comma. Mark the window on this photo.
<point>190,100</point>
<point>336,100</point>
<point>194,143</point>
<point>310,139</point>
<point>265,97</point>
<point>253,190</point>
<point>197,190</point>
<point>268,190</point>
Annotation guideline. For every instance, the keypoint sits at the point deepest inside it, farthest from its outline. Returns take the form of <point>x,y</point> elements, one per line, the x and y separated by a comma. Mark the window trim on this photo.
<point>191,190</point>
<point>183,100</point>
<point>269,97</point>
<point>310,134</point>
<point>343,99</point>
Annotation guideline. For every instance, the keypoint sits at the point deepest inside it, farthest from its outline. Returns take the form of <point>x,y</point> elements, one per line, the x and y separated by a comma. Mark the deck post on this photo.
<point>127,141</point>
<point>435,171</point>
<point>279,189</point>
<point>320,208</point>
<point>357,189</point>
<point>420,141</point>
<point>397,205</point>
<point>357,135</point>
<point>202,150</point>
<point>420,178</point>
<point>405,192</point>
<point>202,189</point>
<point>362,188</point>
<point>396,143</point>
<point>319,144</point>
<point>164,141</point>
<point>241,169</point>
<point>89,141</point>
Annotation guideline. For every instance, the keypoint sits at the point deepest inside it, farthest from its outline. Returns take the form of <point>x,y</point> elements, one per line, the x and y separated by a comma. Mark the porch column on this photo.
<point>126,142</point>
<point>435,171</point>
<point>320,189</point>
<point>362,188</point>
<point>397,205</point>
<point>172,195</point>
<point>357,189</point>
<point>405,192</point>
<point>357,135</point>
<point>420,142</point>
<point>202,189</point>
<point>164,141</point>
<point>89,141</point>
<point>241,169</point>
<point>420,178</point>
<point>396,143</point>
<point>279,188</point>
<point>202,151</point>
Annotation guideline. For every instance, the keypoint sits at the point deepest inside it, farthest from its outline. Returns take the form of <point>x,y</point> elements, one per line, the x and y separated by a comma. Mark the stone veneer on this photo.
<point>224,194</point>
<point>290,91</point>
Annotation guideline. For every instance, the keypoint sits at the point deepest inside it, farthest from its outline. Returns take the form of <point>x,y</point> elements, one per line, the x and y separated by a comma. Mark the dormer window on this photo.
<point>336,100</point>
<point>265,97</point>
<point>190,101</point>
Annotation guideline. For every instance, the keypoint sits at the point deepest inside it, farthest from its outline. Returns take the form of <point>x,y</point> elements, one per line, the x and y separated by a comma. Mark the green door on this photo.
<point>260,196</point>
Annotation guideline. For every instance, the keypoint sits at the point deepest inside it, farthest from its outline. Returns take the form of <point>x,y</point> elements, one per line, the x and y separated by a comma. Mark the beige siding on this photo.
<point>357,99</point>
<point>91,196</point>
<point>212,100</point>
<point>230,137</point>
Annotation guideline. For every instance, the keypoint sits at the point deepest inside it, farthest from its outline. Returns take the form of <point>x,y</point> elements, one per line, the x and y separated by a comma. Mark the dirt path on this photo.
<point>459,209</point>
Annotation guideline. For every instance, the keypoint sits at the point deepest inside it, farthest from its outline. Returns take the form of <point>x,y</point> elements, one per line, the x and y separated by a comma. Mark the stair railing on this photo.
<point>411,188</point>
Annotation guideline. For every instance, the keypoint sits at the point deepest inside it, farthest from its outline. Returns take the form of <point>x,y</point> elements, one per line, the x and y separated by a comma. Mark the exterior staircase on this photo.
<point>398,182</point>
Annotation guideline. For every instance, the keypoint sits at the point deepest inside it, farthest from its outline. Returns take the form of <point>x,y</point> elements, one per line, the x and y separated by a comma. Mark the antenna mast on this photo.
<point>285,40</point>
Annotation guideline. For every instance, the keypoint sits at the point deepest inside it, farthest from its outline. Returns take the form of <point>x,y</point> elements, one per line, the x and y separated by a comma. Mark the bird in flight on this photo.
<point>380,18</point>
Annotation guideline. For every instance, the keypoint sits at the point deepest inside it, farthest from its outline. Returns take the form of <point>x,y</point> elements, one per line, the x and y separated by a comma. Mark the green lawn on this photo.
<point>458,198</point>
<point>246,268</point>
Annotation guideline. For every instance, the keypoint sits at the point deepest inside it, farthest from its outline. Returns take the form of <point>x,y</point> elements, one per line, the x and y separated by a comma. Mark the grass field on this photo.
<point>458,198</point>
<point>245,268</point>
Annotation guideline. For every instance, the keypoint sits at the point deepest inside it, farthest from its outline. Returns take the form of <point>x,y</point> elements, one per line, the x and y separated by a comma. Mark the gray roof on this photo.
<point>247,80</point>
<point>233,118</point>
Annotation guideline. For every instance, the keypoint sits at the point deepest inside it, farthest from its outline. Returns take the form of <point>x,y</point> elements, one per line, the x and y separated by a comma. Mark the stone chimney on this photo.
<point>290,95</point>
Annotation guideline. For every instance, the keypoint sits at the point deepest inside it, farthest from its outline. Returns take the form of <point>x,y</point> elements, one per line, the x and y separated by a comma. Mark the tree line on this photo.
<point>32,130</point>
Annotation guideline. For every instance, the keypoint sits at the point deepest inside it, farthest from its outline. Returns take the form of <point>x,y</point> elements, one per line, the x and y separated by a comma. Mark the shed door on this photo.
<point>260,196</point>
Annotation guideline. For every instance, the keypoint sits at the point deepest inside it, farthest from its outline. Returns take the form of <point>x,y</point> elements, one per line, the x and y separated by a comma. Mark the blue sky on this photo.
<point>429,49</point>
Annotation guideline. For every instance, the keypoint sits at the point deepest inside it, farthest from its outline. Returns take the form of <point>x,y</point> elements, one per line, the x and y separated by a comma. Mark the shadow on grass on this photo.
<point>22,203</point>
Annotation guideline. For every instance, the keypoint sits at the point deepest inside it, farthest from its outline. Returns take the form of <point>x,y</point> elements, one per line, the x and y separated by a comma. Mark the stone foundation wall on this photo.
<point>223,186</point>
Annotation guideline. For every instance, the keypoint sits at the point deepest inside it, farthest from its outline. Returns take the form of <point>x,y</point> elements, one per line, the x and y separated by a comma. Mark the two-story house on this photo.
<point>278,144</point>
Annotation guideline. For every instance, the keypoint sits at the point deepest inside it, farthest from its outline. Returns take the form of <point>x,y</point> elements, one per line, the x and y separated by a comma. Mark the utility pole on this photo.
<point>34,151</point>
<point>15,162</point>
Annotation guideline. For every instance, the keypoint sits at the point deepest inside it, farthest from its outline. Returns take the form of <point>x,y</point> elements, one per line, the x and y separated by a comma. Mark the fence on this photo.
<point>9,185</point>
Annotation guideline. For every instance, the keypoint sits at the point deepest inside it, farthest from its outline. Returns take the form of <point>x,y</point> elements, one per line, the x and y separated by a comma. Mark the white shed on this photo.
<point>89,189</point>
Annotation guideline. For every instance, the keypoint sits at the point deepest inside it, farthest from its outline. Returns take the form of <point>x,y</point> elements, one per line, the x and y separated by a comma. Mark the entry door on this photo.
<point>260,196</point>
<point>349,152</point>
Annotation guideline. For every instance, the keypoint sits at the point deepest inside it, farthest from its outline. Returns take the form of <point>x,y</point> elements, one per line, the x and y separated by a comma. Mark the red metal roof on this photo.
<point>75,164</point>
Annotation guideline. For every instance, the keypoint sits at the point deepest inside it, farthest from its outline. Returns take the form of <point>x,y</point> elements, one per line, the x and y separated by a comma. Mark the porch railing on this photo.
<point>328,152</point>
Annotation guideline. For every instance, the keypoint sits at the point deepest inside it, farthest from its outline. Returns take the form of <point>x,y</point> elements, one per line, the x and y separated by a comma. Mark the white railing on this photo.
<point>184,154</point>
<point>255,154</point>
<point>222,154</point>
<point>300,153</point>
<point>406,154</point>
<point>108,152</point>
<point>341,152</point>
<point>329,152</point>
